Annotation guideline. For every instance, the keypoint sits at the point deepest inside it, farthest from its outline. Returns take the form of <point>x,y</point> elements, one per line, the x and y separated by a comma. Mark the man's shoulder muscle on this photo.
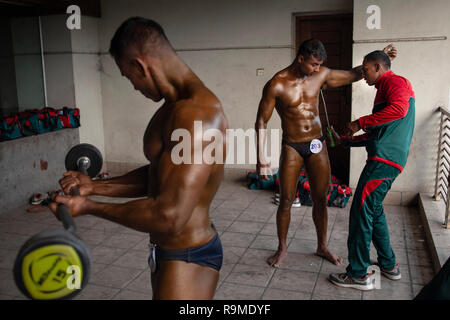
<point>275,85</point>
<point>324,72</point>
<point>208,110</point>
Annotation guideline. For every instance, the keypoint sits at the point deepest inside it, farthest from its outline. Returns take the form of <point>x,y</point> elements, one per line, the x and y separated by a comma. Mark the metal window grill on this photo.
<point>442,182</point>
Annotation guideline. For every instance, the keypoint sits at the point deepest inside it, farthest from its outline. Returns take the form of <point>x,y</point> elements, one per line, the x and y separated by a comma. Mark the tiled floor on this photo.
<point>245,220</point>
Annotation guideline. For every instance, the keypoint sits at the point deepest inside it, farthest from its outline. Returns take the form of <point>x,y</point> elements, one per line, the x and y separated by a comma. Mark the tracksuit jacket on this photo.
<point>390,127</point>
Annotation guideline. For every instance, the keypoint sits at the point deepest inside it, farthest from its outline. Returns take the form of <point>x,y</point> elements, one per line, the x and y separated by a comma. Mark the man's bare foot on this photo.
<point>277,259</point>
<point>326,254</point>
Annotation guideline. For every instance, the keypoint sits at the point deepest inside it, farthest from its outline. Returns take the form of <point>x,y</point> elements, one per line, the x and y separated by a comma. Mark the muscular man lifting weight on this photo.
<point>294,93</point>
<point>175,207</point>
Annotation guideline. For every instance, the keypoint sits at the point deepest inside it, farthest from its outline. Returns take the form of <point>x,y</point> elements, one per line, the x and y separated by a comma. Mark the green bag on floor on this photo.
<point>255,184</point>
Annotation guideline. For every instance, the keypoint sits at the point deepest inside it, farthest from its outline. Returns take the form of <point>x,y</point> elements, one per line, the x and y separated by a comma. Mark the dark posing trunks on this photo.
<point>209,254</point>
<point>304,149</point>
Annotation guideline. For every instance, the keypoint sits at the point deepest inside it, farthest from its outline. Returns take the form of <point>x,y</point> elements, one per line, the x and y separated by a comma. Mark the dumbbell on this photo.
<point>56,264</point>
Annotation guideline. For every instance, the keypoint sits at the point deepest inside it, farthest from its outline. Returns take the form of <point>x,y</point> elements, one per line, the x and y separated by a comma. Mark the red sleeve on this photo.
<point>397,98</point>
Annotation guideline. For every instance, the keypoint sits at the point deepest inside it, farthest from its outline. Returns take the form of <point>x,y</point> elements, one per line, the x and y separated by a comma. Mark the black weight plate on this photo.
<point>44,259</point>
<point>85,150</point>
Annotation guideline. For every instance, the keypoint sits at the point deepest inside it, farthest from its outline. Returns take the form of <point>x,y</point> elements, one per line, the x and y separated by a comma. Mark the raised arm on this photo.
<point>338,78</point>
<point>265,110</point>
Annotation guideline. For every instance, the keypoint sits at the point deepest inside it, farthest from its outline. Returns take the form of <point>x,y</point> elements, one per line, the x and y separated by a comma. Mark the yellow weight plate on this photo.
<point>52,272</point>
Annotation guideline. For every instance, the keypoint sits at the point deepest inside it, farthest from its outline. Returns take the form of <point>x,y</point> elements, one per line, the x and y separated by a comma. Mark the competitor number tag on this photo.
<point>315,146</point>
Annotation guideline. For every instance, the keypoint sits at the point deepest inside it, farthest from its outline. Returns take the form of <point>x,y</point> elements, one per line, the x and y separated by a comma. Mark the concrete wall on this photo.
<point>425,64</point>
<point>87,82</point>
<point>203,33</point>
<point>33,164</point>
<point>73,79</point>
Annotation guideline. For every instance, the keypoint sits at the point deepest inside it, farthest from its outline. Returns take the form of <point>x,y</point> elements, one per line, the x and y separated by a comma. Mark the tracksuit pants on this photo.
<point>368,221</point>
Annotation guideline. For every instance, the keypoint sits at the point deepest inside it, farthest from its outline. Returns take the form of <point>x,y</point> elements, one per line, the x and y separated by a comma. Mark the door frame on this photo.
<point>323,15</point>
<point>311,13</point>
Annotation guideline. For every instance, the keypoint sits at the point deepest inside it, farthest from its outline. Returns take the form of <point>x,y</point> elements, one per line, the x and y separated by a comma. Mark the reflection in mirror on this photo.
<point>21,72</point>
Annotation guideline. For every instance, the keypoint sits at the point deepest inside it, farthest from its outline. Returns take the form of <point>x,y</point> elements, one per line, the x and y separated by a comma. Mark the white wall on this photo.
<point>425,64</point>
<point>87,82</point>
<point>230,74</point>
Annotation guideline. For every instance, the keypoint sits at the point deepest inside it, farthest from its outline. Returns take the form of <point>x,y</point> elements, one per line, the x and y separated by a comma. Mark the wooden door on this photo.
<point>335,32</point>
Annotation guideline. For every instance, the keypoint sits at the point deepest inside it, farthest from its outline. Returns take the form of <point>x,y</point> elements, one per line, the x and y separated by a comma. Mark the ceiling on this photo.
<point>23,8</point>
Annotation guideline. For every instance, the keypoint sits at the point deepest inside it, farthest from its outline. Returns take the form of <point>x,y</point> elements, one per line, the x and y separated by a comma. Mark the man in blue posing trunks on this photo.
<point>186,253</point>
<point>389,130</point>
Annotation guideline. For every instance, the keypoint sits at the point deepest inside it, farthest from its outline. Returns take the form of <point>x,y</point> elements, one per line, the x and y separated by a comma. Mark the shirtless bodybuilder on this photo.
<point>174,199</point>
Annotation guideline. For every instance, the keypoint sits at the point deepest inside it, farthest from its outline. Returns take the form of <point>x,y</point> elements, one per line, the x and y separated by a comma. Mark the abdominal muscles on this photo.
<point>301,123</point>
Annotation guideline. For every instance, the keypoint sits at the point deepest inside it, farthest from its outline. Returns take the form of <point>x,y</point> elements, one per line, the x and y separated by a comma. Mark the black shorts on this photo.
<point>303,148</point>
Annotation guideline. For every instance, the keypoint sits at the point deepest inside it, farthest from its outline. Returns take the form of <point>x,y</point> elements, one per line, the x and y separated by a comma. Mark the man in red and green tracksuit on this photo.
<point>389,131</point>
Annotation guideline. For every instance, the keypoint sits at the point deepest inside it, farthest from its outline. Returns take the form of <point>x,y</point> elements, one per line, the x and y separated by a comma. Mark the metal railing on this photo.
<point>442,182</point>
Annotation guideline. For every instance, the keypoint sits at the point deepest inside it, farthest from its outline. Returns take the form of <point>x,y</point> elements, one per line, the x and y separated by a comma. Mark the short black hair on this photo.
<point>379,56</point>
<point>312,47</point>
<point>135,32</point>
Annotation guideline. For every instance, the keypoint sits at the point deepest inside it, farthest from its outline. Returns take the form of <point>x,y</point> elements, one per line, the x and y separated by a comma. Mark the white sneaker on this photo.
<point>295,204</point>
<point>37,198</point>
<point>344,281</point>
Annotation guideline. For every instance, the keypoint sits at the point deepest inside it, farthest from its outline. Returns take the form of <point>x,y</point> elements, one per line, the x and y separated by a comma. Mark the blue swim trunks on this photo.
<point>209,254</point>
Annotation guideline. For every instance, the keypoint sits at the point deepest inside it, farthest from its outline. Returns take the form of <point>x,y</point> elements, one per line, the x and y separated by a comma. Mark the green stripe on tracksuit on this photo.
<point>368,221</point>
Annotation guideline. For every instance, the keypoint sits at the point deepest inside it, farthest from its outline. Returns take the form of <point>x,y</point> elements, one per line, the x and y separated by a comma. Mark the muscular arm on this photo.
<point>133,184</point>
<point>180,190</point>
<point>338,78</point>
<point>265,110</point>
<point>170,210</point>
